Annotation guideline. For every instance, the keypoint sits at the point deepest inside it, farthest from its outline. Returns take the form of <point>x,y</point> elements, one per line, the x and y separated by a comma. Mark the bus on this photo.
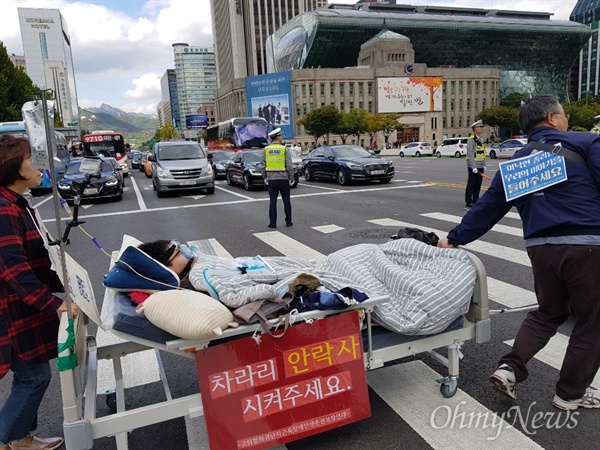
<point>106,143</point>
<point>239,133</point>
<point>18,129</point>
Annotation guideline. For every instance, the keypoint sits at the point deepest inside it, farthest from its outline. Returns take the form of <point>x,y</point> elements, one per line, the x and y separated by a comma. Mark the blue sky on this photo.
<point>121,48</point>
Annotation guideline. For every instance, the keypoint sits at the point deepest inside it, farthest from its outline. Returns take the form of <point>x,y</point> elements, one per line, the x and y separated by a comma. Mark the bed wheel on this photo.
<point>111,400</point>
<point>447,391</point>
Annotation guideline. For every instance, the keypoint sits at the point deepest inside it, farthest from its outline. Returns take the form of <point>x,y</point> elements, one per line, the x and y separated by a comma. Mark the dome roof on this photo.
<point>385,35</point>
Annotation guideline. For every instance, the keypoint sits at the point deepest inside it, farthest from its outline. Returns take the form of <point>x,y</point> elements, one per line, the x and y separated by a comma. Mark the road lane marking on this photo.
<point>328,228</point>
<point>288,246</point>
<point>513,231</point>
<point>138,195</point>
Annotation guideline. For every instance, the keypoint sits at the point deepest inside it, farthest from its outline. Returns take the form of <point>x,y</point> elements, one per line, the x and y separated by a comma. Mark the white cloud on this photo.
<point>146,87</point>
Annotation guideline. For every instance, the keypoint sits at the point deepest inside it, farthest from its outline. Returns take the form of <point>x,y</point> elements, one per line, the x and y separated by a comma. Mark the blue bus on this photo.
<point>17,129</point>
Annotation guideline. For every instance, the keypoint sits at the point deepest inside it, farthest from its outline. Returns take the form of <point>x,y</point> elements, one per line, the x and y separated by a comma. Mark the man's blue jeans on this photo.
<point>18,416</point>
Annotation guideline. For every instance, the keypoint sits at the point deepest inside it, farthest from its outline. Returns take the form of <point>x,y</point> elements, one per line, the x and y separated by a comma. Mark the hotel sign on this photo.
<point>39,23</point>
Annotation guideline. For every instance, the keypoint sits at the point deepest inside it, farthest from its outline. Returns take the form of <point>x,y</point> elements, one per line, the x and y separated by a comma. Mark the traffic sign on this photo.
<point>72,124</point>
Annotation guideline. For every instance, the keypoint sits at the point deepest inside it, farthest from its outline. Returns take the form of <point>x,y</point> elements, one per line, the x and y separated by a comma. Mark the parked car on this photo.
<point>507,149</point>
<point>346,163</point>
<point>417,149</point>
<point>454,147</point>
<point>219,158</point>
<point>180,166</point>
<point>297,163</point>
<point>108,185</point>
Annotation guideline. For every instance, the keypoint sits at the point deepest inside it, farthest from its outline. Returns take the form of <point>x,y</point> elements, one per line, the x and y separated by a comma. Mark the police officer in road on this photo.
<point>596,128</point>
<point>278,173</point>
<point>475,164</point>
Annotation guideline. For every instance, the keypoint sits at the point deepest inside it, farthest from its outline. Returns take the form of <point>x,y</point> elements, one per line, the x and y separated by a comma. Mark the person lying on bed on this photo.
<point>172,255</point>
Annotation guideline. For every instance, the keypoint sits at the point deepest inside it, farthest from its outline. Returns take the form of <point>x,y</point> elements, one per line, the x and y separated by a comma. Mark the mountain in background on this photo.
<point>136,127</point>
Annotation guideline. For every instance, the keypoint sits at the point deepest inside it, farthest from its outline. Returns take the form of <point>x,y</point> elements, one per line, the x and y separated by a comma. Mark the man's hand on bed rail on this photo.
<point>63,308</point>
<point>443,243</point>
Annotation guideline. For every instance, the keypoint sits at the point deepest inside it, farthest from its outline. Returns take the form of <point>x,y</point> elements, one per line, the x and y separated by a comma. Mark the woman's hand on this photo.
<point>63,308</point>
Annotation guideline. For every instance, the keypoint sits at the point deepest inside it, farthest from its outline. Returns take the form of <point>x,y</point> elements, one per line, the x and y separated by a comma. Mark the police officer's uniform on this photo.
<point>278,173</point>
<point>596,128</point>
<point>475,165</point>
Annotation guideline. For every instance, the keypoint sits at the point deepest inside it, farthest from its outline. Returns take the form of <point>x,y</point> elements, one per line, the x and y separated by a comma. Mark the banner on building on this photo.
<point>409,94</point>
<point>196,121</point>
<point>270,97</point>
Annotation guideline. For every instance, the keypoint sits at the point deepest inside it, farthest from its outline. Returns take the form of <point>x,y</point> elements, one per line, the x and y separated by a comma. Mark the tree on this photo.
<point>513,100</point>
<point>354,123</point>
<point>343,126</point>
<point>375,123</point>
<point>433,83</point>
<point>391,123</point>
<point>501,116</point>
<point>16,88</point>
<point>321,121</point>
<point>167,132</point>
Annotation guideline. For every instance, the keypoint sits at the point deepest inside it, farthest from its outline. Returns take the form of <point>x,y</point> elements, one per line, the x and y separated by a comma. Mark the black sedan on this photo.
<point>346,163</point>
<point>243,168</point>
<point>106,184</point>
<point>219,158</point>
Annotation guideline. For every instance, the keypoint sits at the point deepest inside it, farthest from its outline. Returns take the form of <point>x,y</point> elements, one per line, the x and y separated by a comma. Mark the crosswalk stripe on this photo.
<point>513,231</point>
<point>328,228</point>
<point>513,215</point>
<point>509,295</point>
<point>438,421</point>
<point>498,251</point>
<point>553,353</point>
<point>288,246</point>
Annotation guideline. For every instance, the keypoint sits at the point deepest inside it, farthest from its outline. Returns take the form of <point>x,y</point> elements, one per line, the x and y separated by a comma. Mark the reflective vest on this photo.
<point>595,130</point>
<point>479,149</point>
<point>275,157</point>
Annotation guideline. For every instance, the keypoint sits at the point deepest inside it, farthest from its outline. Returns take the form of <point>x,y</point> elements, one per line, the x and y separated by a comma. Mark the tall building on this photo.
<point>169,98</point>
<point>587,71</point>
<point>534,54</point>
<point>18,61</point>
<point>241,28</point>
<point>48,58</point>
<point>196,74</point>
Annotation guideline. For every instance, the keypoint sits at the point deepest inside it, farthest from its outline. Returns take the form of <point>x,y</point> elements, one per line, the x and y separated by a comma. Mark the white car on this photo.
<point>507,148</point>
<point>417,149</point>
<point>454,147</point>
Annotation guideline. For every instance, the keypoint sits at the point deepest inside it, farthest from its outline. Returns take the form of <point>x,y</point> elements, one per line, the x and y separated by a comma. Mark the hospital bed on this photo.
<point>80,385</point>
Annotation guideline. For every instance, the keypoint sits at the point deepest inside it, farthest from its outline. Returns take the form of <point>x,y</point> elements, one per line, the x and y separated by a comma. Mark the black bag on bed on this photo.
<point>429,238</point>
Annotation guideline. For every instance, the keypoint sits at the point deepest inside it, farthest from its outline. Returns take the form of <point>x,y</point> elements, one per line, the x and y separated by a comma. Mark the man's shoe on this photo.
<point>38,443</point>
<point>469,205</point>
<point>588,401</point>
<point>504,381</point>
<point>289,224</point>
<point>272,225</point>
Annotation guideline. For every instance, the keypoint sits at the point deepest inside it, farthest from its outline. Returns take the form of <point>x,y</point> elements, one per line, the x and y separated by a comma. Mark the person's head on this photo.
<point>543,111</point>
<point>275,135</point>
<point>16,172</point>
<point>597,120</point>
<point>477,127</point>
<point>169,254</point>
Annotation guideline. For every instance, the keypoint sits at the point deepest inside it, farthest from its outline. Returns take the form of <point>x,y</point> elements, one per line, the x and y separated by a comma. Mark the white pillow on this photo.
<point>187,314</point>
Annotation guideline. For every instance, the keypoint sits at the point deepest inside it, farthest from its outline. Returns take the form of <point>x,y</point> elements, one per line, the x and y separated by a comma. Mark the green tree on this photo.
<point>501,116</point>
<point>16,88</point>
<point>391,122</point>
<point>343,126</point>
<point>513,100</point>
<point>355,122</point>
<point>376,123</point>
<point>167,132</point>
<point>321,121</point>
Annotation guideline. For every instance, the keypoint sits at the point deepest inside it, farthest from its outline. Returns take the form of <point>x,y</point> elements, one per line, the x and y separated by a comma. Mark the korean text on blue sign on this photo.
<point>532,173</point>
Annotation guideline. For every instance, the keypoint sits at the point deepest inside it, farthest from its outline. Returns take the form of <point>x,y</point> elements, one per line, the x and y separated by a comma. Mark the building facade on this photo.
<point>196,74</point>
<point>48,58</point>
<point>241,28</point>
<point>18,61</point>
<point>208,109</point>
<point>388,55</point>
<point>169,97</point>
<point>587,71</point>
<point>533,53</point>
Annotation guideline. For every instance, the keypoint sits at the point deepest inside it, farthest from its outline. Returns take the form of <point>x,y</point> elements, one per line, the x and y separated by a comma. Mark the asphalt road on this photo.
<point>427,193</point>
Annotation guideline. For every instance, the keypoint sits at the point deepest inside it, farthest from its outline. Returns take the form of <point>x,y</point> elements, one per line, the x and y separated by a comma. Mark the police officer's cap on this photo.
<point>479,123</point>
<point>597,118</point>
<point>276,132</point>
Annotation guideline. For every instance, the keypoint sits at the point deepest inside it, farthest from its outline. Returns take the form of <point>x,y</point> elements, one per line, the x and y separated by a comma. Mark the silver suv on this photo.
<point>180,166</point>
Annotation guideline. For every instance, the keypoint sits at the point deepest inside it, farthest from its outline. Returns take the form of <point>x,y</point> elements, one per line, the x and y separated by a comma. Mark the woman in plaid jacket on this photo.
<point>28,310</point>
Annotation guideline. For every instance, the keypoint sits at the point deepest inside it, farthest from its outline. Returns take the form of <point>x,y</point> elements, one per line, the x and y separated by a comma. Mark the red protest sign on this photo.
<point>259,395</point>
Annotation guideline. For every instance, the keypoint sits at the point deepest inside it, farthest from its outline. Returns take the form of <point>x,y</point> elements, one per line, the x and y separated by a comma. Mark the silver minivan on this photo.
<point>181,166</point>
<point>454,147</point>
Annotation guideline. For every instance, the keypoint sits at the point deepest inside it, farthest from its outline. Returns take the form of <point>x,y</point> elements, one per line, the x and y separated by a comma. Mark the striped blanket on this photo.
<point>429,287</point>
